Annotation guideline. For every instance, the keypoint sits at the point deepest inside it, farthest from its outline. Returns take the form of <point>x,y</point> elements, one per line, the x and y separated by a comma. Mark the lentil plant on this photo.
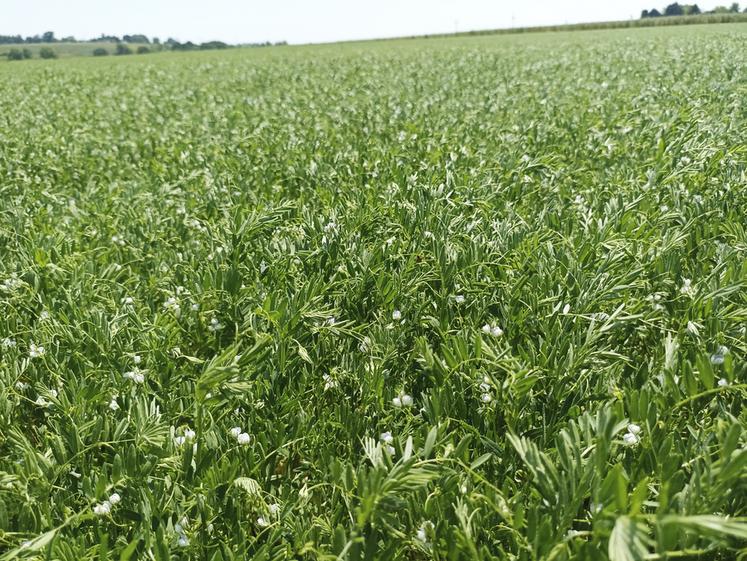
<point>476,298</point>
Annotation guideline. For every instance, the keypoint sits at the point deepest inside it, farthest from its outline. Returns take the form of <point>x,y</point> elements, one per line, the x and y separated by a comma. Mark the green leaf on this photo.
<point>629,540</point>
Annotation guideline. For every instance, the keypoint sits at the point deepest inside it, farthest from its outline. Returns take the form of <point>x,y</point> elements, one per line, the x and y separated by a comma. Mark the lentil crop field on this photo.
<point>454,299</point>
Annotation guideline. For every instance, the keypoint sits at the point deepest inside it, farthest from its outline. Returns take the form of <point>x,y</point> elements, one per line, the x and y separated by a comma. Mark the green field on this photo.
<point>455,299</point>
<point>62,50</point>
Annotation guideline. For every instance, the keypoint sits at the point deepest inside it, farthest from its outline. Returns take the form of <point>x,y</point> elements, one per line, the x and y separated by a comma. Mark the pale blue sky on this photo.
<point>301,21</point>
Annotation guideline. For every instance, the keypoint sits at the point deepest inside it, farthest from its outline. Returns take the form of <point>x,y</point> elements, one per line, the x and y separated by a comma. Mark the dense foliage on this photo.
<point>446,299</point>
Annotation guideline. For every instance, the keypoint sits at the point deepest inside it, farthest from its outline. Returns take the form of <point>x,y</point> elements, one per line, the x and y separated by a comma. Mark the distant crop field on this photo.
<point>62,50</point>
<point>474,298</point>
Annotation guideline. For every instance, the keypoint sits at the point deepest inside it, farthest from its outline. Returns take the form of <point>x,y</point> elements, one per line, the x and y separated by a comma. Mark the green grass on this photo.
<point>63,50</point>
<point>293,242</point>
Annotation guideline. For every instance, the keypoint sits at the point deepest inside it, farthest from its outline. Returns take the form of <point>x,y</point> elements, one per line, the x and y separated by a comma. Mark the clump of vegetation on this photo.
<point>143,50</point>
<point>100,51</point>
<point>464,299</point>
<point>47,52</point>
<point>123,49</point>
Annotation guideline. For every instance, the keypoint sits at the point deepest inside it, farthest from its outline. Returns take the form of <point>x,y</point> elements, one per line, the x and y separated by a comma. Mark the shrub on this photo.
<point>100,51</point>
<point>47,52</point>
<point>143,50</point>
<point>123,49</point>
<point>15,54</point>
<point>27,53</point>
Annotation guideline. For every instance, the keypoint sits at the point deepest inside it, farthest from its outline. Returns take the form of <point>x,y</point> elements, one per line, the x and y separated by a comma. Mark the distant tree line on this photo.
<point>143,45</point>
<point>677,9</point>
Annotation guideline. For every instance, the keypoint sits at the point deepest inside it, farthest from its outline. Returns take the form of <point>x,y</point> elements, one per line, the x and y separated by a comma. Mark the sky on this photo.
<point>301,21</point>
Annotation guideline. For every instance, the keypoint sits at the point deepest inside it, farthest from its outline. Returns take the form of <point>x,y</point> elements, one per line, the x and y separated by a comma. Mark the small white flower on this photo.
<point>720,355</point>
<point>244,439</point>
<point>274,509</point>
<point>262,523</point>
<point>127,300</point>
<point>113,405</point>
<point>630,439</point>
<point>406,400</point>
<point>44,315</point>
<point>21,386</point>
<point>137,359</point>
<point>330,227</point>
<point>235,432</point>
<point>329,382</point>
<point>496,331</point>
<point>179,440</point>
<point>397,402</point>
<point>396,315</point>
<point>215,325</point>
<point>183,541</point>
<point>566,309</point>
<point>486,398</point>
<point>36,351</point>
<point>386,437</point>
<point>634,429</point>
<point>390,450</point>
<point>135,375</point>
<point>195,307</point>
<point>723,382</point>
<point>102,509</point>
<point>692,328</point>
<point>41,402</point>
<point>114,498</point>
<point>8,343</point>
<point>189,434</point>
<point>486,329</point>
<point>422,534</point>
<point>687,288</point>
<point>459,299</point>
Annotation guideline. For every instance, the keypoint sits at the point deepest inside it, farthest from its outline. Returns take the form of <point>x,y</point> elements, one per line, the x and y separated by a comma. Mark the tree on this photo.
<point>48,37</point>
<point>674,10</point>
<point>654,13</point>
<point>734,7</point>
<point>143,50</point>
<point>694,10</point>
<point>123,49</point>
<point>47,52</point>
<point>644,14</point>
<point>100,51</point>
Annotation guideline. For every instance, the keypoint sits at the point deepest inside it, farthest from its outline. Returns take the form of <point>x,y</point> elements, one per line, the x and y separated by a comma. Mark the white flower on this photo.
<point>172,305</point>
<point>566,309</point>
<point>183,541</point>
<point>390,450</point>
<point>723,382</point>
<point>330,227</point>
<point>486,398</point>
<point>127,300</point>
<point>8,343</point>
<point>44,315</point>
<point>179,440</point>
<point>113,405</point>
<point>486,329</point>
<point>244,439</point>
<point>41,402</point>
<point>195,307</point>
<point>21,386</point>
<point>274,509</point>
<point>396,315</point>
<point>36,351</point>
<point>135,375</point>
<point>386,437</point>
<point>422,534</point>
<point>189,434</point>
<point>102,509</point>
<point>402,400</point>
<point>114,498</point>
<point>137,359</point>
<point>215,325</point>
<point>118,240</point>
<point>459,299</point>
<point>720,355</point>
<point>687,288</point>
<point>235,432</point>
<point>692,328</point>
<point>630,439</point>
<point>634,429</point>
<point>496,331</point>
<point>262,523</point>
